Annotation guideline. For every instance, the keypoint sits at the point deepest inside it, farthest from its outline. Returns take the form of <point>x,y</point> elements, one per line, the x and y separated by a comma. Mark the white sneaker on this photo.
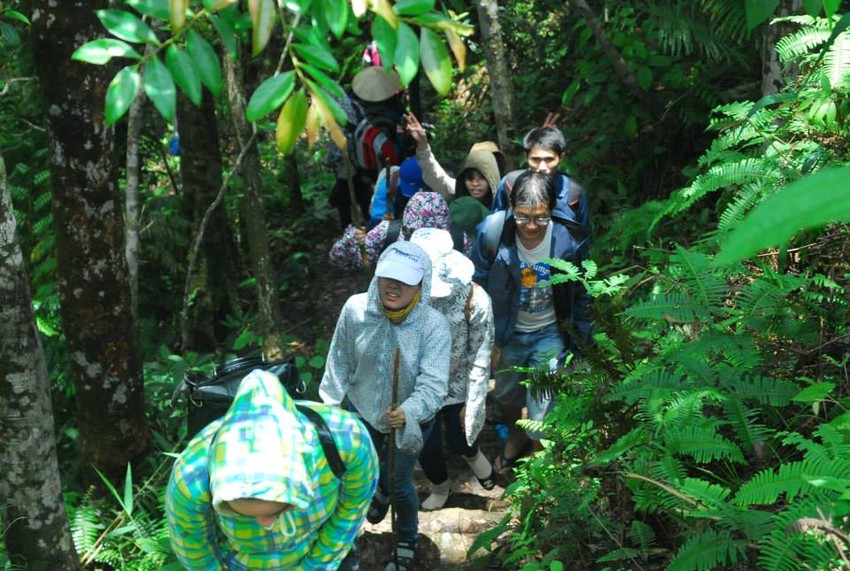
<point>439,496</point>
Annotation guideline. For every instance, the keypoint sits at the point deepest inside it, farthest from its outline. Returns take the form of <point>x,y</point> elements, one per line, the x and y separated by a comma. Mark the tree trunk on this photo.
<point>772,74</point>
<point>35,525</point>
<point>498,70</point>
<point>131,199</point>
<point>94,289</point>
<point>213,288</point>
<point>253,216</point>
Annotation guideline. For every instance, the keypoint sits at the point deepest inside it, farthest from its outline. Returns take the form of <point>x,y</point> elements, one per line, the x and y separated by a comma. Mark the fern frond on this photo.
<point>743,421</point>
<point>676,306</point>
<point>792,479</point>
<point>641,535</point>
<point>707,550</point>
<point>747,197</point>
<point>813,34</point>
<point>703,444</point>
<point>642,386</point>
<point>723,176</point>
<point>763,390</point>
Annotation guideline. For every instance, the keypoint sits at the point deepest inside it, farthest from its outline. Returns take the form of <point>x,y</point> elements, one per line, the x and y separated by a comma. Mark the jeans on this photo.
<point>406,498</point>
<point>431,458</point>
<point>533,349</point>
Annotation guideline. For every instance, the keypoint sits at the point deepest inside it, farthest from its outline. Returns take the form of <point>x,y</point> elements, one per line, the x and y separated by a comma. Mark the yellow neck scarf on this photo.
<point>396,316</point>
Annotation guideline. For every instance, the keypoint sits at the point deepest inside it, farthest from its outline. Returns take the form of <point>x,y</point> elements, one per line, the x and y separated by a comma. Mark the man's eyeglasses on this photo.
<point>539,220</point>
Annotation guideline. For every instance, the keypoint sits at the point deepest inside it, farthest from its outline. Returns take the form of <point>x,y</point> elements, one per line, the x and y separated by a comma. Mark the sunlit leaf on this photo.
<point>406,56</point>
<point>413,7</point>
<point>183,73</point>
<point>328,83</point>
<point>330,122</point>
<point>359,7</point>
<point>159,87</point>
<point>101,51</point>
<point>814,392</point>
<point>206,61</point>
<point>216,5</point>
<point>15,15</point>
<point>291,122</point>
<point>270,95</point>
<point>154,8</point>
<point>127,26</point>
<point>809,202</point>
<point>385,38</point>
<point>384,9</point>
<point>458,49</point>
<point>263,18</point>
<point>311,128</point>
<point>327,101</point>
<point>435,60</point>
<point>317,55</point>
<point>177,13</point>
<point>121,93</point>
<point>336,15</point>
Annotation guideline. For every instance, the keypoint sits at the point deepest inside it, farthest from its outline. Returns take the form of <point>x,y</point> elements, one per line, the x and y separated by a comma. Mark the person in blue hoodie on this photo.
<point>537,324</point>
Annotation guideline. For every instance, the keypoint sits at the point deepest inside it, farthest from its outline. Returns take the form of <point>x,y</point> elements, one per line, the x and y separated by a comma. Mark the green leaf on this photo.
<point>759,11</point>
<point>127,26</point>
<point>336,15</point>
<point>329,102</point>
<point>812,7</point>
<point>317,55</point>
<point>183,72</point>
<point>154,8</point>
<point>9,35</point>
<point>263,18</point>
<point>121,92</point>
<point>413,7</point>
<point>831,7</point>
<point>324,80</point>
<point>160,88</point>
<point>225,31</point>
<point>809,202</point>
<point>128,491</point>
<point>15,15</point>
<point>406,55</point>
<point>435,60</point>
<point>270,95</point>
<point>385,37</point>
<point>644,77</point>
<point>206,61</point>
<point>815,392</point>
<point>291,122</point>
<point>101,51</point>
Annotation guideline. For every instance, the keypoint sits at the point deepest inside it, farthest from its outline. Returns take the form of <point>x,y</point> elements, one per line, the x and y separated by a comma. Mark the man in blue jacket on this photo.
<point>537,323</point>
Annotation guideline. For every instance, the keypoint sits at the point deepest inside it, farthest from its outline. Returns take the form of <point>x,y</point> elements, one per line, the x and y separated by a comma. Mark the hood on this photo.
<point>485,163</point>
<point>425,209</point>
<point>421,255</point>
<point>259,451</point>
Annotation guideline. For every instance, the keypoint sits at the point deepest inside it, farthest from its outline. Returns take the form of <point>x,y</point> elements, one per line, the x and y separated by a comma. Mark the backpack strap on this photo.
<point>326,438</point>
<point>467,311</point>
<point>458,236</point>
<point>393,230</point>
<point>493,232</point>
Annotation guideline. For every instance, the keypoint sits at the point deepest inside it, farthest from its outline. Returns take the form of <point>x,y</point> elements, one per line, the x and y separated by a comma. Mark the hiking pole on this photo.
<point>392,452</point>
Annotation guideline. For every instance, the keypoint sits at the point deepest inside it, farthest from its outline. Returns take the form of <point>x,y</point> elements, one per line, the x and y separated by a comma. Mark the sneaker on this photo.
<point>437,499</point>
<point>406,551</point>
<point>378,508</point>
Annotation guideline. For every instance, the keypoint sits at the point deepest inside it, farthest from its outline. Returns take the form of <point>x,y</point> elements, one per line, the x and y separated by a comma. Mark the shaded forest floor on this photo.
<point>313,306</point>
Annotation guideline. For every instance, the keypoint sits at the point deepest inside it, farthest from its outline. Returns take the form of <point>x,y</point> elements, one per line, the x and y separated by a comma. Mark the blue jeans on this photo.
<point>534,349</point>
<point>406,498</point>
<point>431,458</point>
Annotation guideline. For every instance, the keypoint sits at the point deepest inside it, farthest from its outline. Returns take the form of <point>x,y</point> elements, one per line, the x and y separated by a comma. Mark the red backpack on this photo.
<point>373,144</point>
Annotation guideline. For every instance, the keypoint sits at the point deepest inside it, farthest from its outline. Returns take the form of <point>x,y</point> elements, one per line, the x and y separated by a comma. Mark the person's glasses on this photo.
<point>539,220</point>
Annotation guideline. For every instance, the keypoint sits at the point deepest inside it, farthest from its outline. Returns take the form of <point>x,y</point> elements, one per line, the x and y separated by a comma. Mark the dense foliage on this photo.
<point>708,427</point>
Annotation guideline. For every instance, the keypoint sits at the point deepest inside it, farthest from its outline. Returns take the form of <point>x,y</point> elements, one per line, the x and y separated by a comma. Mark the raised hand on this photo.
<point>416,130</point>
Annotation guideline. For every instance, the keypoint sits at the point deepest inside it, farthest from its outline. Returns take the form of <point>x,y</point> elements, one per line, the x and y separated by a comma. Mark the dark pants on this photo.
<point>341,198</point>
<point>352,560</point>
<point>431,458</point>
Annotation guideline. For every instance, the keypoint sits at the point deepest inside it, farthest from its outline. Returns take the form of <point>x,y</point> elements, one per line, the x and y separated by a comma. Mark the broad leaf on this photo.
<point>9,35</point>
<point>226,33</point>
<point>15,15</point>
<point>206,61</point>
<point>177,13</point>
<point>291,122</point>
<point>759,11</point>
<point>263,18</point>
<point>122,90</point>
<point>406,56</point>
<point>413,7</point>
<point>814,392</point>
<point>435,60</point>
<point>311,128</point>
<point>810,202</point>
<point>384,9</point>
<point>154,8</point>
<point>101,51</point>
<point>644,77</point>
<point>330,121</point>
<point>317,55</point>
<point>160,88</point>
<point>831,7</point>
<point>216,5</point>
<point>385,38</point>
<point>127,26</point>
<point>458,48</point>
<point>336,15</point>
<point>270,95</point>
<point>184,73</point>
<point>812,7</point>
<point>328,83</point>
<point>326,101</point>
<point>358,7</point>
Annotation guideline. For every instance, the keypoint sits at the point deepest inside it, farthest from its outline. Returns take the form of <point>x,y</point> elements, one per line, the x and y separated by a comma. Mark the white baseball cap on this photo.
<point>398,265</point>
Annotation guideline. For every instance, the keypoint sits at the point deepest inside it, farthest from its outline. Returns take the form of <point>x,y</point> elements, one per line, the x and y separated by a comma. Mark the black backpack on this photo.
<point>208,398</point>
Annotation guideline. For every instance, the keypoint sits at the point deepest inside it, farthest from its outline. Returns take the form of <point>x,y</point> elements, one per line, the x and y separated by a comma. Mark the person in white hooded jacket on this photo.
<point>393,316</point>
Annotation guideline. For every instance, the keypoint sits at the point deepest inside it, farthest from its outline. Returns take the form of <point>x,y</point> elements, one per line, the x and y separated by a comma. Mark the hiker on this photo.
<point>254,489</point>
<point>374,111</point>
<point>425,209</point>
<point>393,318</point>
<point>537,324</point>
<point>544,150</point>
<point>396,188</point>
<point>470,315</point>
<point>470,195</point>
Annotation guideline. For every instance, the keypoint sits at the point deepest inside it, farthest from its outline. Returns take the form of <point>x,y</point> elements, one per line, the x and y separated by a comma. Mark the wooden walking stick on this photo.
<point>392,452</point>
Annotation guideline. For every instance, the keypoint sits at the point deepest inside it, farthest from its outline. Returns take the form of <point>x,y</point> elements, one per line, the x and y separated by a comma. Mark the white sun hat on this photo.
<point>451,268</point>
